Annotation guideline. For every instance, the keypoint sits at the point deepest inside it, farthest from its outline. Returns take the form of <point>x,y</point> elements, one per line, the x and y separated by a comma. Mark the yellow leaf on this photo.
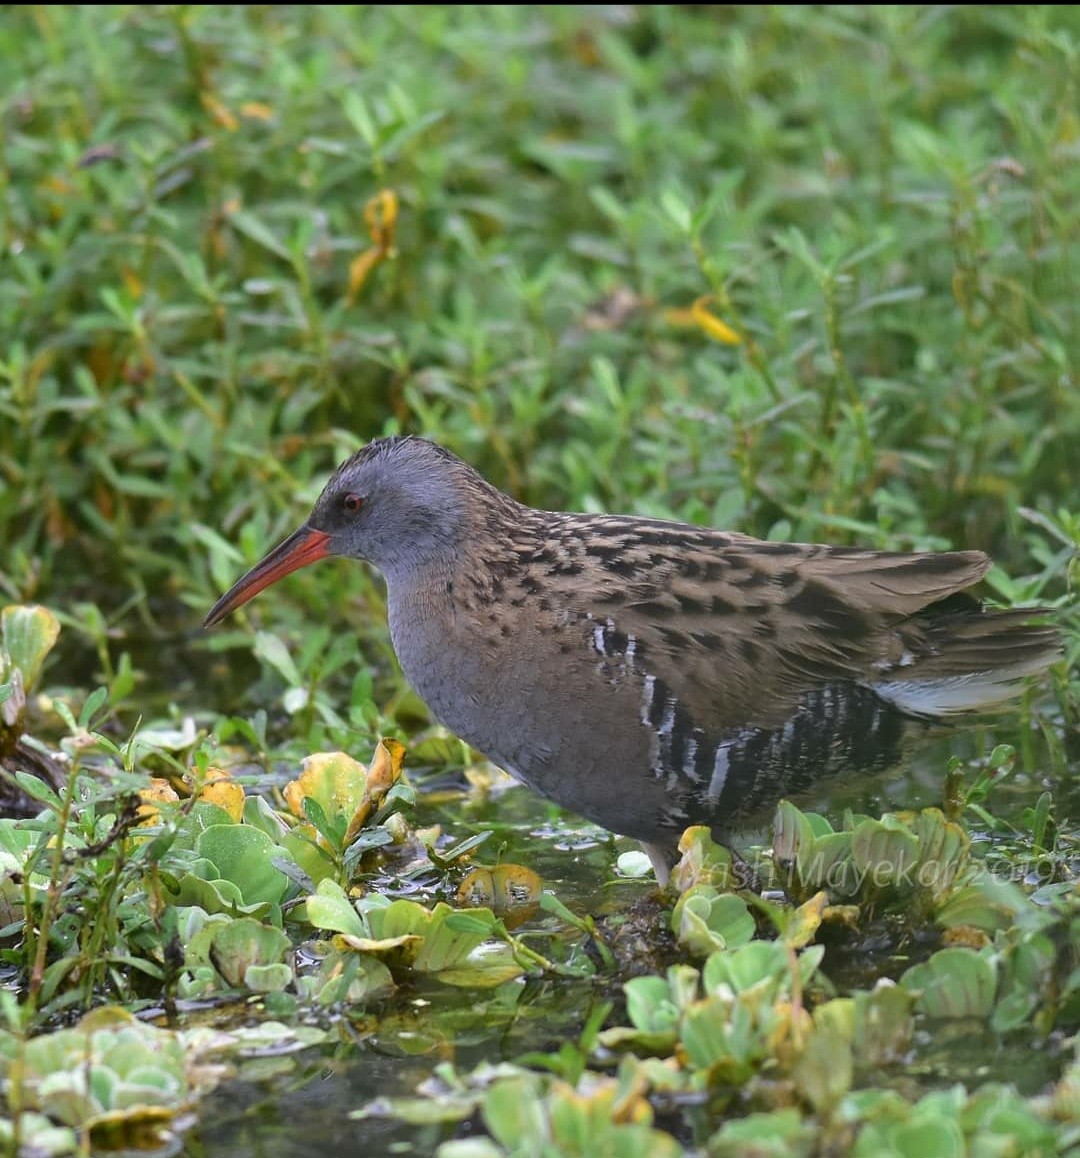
<point>966,935</point>
<point>383,774</point>
<point>54,183</point>
<point>158,792</point>
<point>344,788</point>
<point>842,915</point>
<point>380,216</point>
<point>385,770</point>
<point>718,330</point>
<point>703,862</point>
<point>225,793</point>
<point>334,779</point>
<point>505,889</point>
<point>256,111</point>
<point>677,316</point>
<point>137,1127</point>
<point>806,920</point>
<point>359,268</point>
<point>379,945</point>
<point>219,114</point>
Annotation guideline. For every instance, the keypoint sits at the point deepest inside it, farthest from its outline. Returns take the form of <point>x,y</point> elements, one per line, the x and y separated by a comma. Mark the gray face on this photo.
<point>399,504</point>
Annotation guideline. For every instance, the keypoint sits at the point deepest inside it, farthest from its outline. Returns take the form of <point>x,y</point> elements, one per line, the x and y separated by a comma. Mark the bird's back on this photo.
<point>651,674</point>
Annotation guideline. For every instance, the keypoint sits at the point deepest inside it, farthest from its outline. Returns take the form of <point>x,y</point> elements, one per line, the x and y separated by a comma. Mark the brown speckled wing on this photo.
<point>737,629</point>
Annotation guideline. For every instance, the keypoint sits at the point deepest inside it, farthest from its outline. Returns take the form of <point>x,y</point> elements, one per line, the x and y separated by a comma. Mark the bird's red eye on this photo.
<point>352,503</point>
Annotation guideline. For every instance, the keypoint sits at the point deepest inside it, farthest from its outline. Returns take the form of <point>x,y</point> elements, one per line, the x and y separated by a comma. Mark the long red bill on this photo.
<point>301,548</point>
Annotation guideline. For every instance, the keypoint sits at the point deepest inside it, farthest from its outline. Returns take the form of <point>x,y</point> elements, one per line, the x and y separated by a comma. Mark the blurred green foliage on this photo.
<point>881,201</point>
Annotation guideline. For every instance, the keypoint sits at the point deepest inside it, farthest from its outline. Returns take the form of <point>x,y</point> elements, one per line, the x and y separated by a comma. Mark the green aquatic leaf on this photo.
<point>883,1023</point>
<point>822,1073</point>
<point>214,896</point>
<point>346,977</point>
<point>885,853</point>
<point>244,856</point>
<point>330,908</point>
<point>650,1006</point>
<point>954,982</point>
<point>705,920</point>
<point>28,632</point>
<point>241,944</point>
<point>777,1134</point>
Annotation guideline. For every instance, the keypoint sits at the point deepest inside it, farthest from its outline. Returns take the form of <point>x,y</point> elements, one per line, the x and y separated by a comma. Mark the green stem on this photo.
<point>57,881</point>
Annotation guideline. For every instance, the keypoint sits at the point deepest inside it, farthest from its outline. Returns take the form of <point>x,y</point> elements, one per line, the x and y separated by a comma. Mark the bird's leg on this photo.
<point>743,874</point>
<point>661,859</point>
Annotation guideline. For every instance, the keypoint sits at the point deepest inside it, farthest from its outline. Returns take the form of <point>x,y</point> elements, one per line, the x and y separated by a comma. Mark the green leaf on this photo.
<point>823,1071</point>
<point>514,1113</point>
<point>649,1005</point>
<point>27,635</point>
<point>885,852</point>
<point>244,856</point>
<point>90,708</point>
<point>37,789</point>
<point>331,909</point>
<point>254,229</point>
<point>954,982</point>
<point>272,650</point>
<point>705,920</point>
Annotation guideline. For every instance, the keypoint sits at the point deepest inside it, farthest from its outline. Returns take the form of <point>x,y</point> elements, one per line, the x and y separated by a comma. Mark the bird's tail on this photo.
<point>970,660</point>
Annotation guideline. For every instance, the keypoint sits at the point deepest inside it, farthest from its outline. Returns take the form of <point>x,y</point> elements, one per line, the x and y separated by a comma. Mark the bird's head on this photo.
<point>400,503</point>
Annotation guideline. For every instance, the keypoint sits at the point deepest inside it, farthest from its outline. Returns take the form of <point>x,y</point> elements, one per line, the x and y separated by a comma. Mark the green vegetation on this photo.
<point>811,273</point>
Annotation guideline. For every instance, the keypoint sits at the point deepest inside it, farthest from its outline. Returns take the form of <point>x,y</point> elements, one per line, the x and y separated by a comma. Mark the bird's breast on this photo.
<point>570,704</point>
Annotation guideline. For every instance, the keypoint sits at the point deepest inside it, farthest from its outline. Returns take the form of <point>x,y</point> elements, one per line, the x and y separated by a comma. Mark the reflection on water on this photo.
<point>306,1112</point>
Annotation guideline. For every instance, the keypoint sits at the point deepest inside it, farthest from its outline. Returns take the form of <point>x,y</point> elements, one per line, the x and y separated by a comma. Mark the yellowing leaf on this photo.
<point>806,920</point>
<point>678,316</point>
<point>703,862</point>
<point>383,774</point>
<point>504,889</point>
<point>380,216</point>
<point>716,329</point>
<point>159,792</point>
<point>218,112</point>
<point>385,770</point>
<point>344,789</point>
<point>132,283</point>
<point>225,793</point>
<point>334,779</point>
<point>359,268</point>
<point>28,632</point>
<point>376,945</point>
<point>56,184</point>
<point>256,111</point>
<point>138,1127</point>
